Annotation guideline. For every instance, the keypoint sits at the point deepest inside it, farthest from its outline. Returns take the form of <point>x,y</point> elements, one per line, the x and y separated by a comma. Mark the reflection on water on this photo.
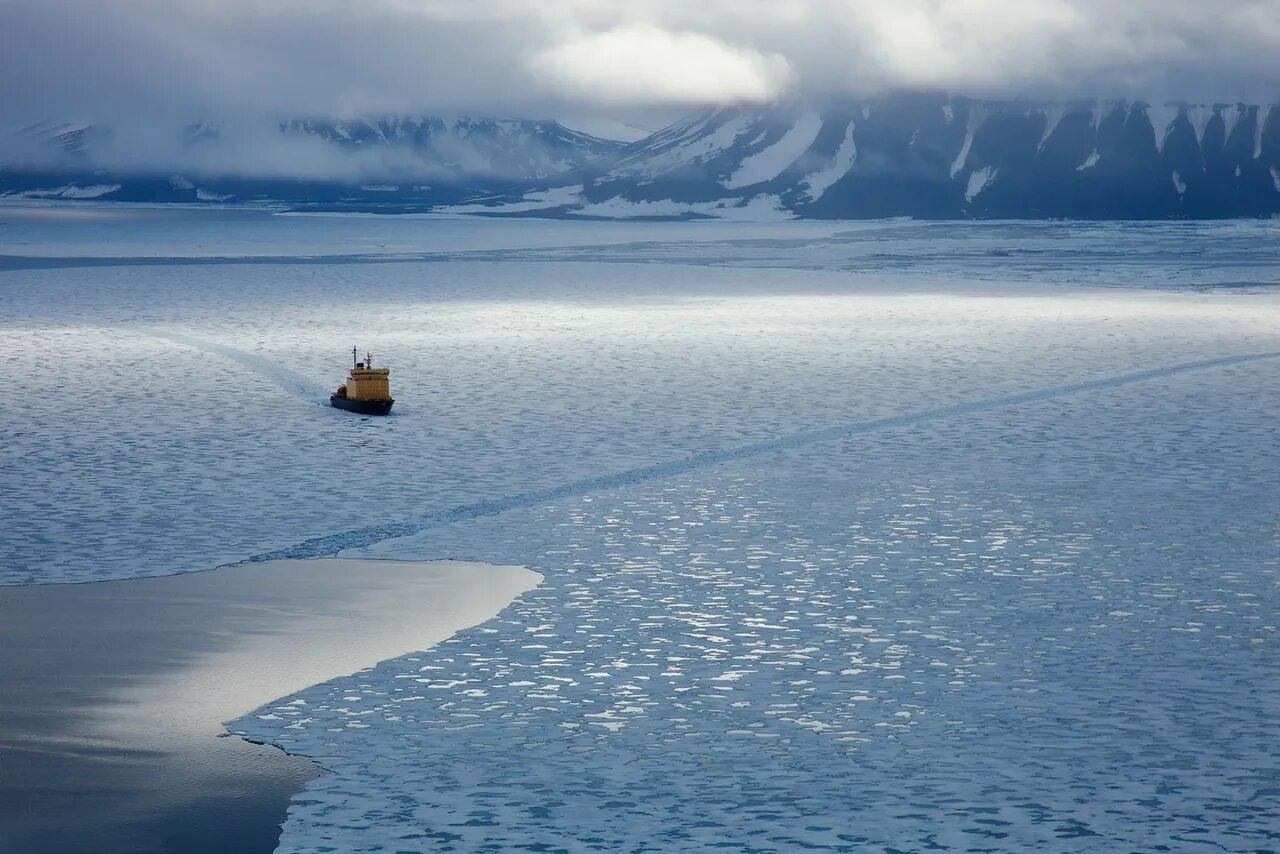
<point>113,694</point>
<point>1047,628</point>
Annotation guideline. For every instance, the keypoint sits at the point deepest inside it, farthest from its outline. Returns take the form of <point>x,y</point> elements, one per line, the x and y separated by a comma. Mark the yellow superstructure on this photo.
<point>367,390</point>
<point>365,383</point>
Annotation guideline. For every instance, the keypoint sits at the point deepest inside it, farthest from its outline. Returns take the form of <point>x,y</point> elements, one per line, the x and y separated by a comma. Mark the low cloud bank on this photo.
<point>149,68</point>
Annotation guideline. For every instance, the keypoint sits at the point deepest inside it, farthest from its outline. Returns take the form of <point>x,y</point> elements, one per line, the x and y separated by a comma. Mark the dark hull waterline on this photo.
<point>364,407</point>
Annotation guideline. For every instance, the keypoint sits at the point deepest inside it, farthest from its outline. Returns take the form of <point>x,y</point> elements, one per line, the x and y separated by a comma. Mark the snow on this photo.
<point>817,507</point>
<point>67,128</point>
<point>770,162</point>
<point>976,117</point>
<point>759,208</point>
<point>1162,118</point>
<point>846,155</point>
<point>606,128</point>
<point>1232,116</point>
<point>1264,115</point>
<point>1178,183</point>
<point>1200,116</point>
<point>1275,178</point>
<point>1090,161</point>
<point>1053,117</point>
<point>536,200</point>
<point>208,196</point>
<point>67,191</point>
<point>692,147</point>
<point>92,191</point>
<point>979,181</point>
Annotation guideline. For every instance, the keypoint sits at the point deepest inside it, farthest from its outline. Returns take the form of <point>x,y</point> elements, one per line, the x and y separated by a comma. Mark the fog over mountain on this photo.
<point>443,92</point>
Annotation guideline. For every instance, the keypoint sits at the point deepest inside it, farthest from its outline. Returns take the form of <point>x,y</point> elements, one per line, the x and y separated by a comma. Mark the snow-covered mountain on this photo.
<point>406,160</point>
<point>73,139</point>
<point>928,156</point>
<point>934,157</point>
<point>506,149</point>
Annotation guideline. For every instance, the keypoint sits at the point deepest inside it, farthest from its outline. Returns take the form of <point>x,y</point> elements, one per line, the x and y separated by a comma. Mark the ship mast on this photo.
<point>354,357</point>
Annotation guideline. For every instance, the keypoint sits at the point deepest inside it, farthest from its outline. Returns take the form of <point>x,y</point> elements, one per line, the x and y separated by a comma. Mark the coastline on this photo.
<point>111,712</point>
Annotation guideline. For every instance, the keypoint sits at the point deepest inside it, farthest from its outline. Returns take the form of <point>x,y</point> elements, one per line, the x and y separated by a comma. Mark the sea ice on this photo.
<point>1046,621</point>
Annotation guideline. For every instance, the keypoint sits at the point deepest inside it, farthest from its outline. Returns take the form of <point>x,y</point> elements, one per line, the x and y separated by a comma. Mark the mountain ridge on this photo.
<point>426,160</point>
<point>919,155</point>
<point>938,158</point>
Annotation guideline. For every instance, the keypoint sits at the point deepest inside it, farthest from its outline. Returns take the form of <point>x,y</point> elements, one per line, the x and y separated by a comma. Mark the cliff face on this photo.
<point>926,156</point>
<point>952,158</point>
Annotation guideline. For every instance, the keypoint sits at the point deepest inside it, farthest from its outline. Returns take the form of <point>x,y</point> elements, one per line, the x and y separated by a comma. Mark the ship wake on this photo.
<point>290,381</point>
<point>332,544</point>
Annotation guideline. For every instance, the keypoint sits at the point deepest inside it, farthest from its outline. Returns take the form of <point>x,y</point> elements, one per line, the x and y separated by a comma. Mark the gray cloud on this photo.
<point>105,58</point>
<point>153,64</point>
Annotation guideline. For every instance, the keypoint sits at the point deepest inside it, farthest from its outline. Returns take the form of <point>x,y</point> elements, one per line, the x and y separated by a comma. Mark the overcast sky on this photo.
<point>196,59</point>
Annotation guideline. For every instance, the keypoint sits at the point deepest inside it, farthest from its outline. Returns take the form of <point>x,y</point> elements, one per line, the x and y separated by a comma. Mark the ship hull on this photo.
<point>364,407</point>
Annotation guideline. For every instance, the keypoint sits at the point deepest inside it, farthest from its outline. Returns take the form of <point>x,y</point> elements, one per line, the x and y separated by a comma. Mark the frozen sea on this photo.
<point>884,536</point>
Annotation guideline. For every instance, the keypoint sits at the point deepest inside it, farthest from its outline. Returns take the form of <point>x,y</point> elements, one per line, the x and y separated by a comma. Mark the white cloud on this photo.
<point>638,63</point>
<point>151,58</point>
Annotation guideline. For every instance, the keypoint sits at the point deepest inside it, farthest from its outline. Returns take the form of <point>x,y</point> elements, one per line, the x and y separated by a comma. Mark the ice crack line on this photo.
<point>331,544</point>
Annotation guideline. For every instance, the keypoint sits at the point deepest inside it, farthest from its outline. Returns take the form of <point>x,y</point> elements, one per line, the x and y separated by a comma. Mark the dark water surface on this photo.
<point>112,694</point>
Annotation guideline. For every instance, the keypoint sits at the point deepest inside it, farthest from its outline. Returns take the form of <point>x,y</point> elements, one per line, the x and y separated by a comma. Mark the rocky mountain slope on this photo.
<point>934,157</point>
<point>927,156</point>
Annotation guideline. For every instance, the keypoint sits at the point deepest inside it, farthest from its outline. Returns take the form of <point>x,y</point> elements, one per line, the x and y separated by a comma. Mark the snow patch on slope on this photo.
<point>693,147</point>
<point>68,191</point>
<point>760,208</point>
<point>975,119</point>
<point>1200,117</point>
<point>605,128</point>
<point>770,162</point>
<point>1053,117</point>
<point>1264,113</point>
<point>1090,161</point>
<point>1162,118</point>
<point>536,200</point>
<point>979,181</point>
<point>818,182</point>
<point>1232,116</point>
